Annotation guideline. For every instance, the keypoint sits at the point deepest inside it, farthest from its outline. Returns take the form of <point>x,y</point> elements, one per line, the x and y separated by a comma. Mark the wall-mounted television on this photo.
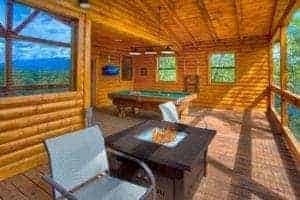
<point>111,70</point>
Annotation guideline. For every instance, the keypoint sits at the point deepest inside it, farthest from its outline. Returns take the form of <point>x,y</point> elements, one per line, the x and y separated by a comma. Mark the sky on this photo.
<point>43,26</point>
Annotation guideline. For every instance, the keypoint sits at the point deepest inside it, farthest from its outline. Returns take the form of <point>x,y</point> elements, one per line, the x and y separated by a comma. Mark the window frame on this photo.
<point>10,34</point>
<point>158,69</point>
<point>211,82</point>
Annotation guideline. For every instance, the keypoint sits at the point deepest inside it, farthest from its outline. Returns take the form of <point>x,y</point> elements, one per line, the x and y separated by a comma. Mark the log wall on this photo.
<point>26,121</point>
<point>249,90</point>
<point>107,84</point>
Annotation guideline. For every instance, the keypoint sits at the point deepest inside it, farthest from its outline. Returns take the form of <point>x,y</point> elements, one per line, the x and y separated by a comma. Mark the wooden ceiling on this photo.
<point>190,22</point>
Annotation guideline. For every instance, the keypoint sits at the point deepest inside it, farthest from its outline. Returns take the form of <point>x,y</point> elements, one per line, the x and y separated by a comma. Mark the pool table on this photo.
<point>149,100</point>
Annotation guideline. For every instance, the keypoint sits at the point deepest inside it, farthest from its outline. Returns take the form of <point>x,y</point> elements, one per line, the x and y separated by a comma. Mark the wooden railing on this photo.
<point>287,95</point>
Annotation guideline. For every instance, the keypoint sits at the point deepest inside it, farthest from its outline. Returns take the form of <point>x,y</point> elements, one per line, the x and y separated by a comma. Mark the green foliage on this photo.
<point>276,63</point>
<point>293,47</point>
<point>167,68</point>
<point>222,68</point>
<point>1,77</point>
<point>30,77</point>
<point>294,120</point>
<point>277,103</point>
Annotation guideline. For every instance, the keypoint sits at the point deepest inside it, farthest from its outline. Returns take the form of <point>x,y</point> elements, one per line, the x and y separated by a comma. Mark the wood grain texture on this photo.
<point>102,55</point>
<point>249,90</point>
<point>26,121</point>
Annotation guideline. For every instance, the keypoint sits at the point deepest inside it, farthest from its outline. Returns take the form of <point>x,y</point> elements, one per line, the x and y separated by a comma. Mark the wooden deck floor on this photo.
<point>247,160</point>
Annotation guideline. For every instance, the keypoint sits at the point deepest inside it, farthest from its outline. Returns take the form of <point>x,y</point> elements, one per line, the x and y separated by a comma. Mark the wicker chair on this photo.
<point>79,169</point>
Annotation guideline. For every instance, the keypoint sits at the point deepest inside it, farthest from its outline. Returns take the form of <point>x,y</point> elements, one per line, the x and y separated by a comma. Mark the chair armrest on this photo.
<point>143,165</point>
<point>65,193</point>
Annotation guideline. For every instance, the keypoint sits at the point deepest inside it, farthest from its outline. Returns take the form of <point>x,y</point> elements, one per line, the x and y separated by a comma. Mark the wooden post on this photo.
<point>8,45</point>
<point>271,69</point>
<point>87,63</point>
<point>283,73</point>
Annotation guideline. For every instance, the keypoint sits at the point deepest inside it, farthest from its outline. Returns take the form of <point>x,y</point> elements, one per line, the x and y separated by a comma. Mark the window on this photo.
<point>293,48</point>
<point>222,68</point>
<point>294,120</point>
<point>277,103</point>
<point>276,63</point>
<point>167,68</point>
<point>35,51</point>
<point>2,56</point>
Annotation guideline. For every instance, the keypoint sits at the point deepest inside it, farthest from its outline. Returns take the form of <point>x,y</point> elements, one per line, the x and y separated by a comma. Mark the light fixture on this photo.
<point>84,4</point>
<point>167,51</point>
<point>150,51</point>
<point>134,52</point>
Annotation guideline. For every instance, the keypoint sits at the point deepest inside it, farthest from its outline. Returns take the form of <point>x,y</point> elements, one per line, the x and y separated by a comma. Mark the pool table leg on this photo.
<point>121,111</point>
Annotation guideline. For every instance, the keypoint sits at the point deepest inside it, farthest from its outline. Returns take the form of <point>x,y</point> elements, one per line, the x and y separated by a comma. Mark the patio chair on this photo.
<point>169,112</point>
<point>79,169</point>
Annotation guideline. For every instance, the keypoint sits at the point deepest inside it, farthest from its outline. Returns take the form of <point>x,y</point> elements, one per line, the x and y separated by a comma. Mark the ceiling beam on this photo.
<point>174,16</point>
<point>208,22</point>
<point>285,14</point>
<point>151,13</point>
<point>29,19</point>
<point>238,16</point>
<point>273,16</point>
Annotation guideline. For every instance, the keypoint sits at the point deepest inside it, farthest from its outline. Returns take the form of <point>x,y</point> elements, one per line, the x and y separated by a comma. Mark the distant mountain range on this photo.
<point>48,64</point>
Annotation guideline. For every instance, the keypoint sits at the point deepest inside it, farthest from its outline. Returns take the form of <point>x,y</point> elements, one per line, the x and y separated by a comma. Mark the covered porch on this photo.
<point>248,159</point>
<point>227,66</point>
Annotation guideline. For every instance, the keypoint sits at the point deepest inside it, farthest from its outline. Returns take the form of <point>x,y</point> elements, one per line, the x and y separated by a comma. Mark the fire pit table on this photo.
<point>177,165</point>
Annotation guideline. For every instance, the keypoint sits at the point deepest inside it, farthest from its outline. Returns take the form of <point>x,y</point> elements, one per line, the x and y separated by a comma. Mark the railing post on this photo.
<point>283,73</point>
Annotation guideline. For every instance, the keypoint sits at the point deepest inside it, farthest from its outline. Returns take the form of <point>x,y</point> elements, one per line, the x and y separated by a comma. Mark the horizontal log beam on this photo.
<point>21,101</point>
<point>232,41</point>
<point>39,40</point>
<point>27,142</point>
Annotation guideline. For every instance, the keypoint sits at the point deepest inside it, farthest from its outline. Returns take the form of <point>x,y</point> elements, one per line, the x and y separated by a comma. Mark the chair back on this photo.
<point>77,157</point>
<point>169,112</point>
<point>89,117</point>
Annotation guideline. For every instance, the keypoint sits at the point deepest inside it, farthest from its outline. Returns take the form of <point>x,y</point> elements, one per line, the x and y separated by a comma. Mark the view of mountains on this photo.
<point>47,64</point>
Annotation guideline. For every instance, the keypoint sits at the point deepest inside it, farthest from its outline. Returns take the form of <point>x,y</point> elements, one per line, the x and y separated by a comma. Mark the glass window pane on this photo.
<point>222,68</point>
<point>167,68</point>
<point>223,75</point>
<point>294,53</point>
<point>223,60</point>
<point>2,62</point>
<point>45,26</point>
<point>2,12</point>
<point>20,13</point>
<point>167,75</point>
<point>294,120</point>
<point>167,62</point>
<point>276,64</point>
<point>38,64</point>
<point>277,103</point>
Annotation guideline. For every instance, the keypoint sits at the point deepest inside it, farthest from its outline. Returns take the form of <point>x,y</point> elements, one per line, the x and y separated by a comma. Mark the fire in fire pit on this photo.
<point>169,137</point>
<point>164,135</point>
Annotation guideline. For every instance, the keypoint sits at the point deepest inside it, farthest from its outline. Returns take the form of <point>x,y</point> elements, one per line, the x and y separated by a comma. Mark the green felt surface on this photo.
<point>160,94</point>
